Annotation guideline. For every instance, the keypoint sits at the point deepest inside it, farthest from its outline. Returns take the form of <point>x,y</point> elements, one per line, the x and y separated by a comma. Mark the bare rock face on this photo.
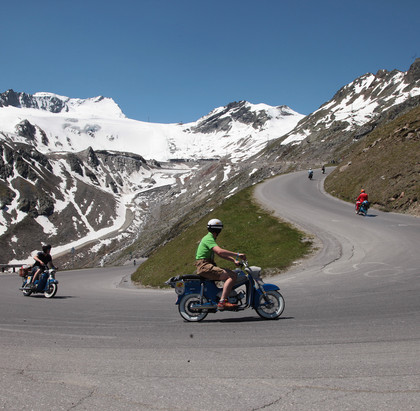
<point>49,103</point>
<point>236,111</point>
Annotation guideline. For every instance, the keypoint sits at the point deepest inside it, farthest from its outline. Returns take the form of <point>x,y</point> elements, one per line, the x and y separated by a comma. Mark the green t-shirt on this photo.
<point>205,248</point>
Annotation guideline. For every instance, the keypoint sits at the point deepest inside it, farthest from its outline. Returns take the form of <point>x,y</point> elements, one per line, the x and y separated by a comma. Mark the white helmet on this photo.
<point>215,224</point>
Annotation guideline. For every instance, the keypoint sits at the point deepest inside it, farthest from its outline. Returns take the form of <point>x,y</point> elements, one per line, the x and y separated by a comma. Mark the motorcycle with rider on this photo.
<point>40,278</point>
<point>199,295</point>
<point>362,203</point>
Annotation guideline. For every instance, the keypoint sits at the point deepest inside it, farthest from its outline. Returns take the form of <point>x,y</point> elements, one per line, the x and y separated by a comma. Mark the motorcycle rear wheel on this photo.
<point>274,309</point>
<point>186,311</point>
<point>52,291</point>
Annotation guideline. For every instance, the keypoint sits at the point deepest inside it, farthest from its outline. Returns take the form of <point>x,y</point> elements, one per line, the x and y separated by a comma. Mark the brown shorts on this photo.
<point>207,269</point>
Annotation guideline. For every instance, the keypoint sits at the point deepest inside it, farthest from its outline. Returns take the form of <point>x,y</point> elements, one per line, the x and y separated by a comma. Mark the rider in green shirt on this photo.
<point>207,268</point>
<point>205,248</point>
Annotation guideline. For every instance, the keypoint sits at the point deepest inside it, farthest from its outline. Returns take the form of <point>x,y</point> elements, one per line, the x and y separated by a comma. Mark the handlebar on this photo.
<point>244,263</point>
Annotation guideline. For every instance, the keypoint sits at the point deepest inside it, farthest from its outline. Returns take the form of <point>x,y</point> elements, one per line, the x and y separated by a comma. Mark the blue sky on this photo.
<point>176,60</point>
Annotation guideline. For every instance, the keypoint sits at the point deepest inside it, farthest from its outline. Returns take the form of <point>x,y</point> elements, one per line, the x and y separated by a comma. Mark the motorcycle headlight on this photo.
<point>180,287</point>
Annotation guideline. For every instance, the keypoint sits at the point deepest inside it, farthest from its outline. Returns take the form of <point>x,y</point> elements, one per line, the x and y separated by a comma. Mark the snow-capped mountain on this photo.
<point>75,171</point>
<point>357,104</point>
<point>80,175</point>
<point>353,112</point>
<point>72,125</point>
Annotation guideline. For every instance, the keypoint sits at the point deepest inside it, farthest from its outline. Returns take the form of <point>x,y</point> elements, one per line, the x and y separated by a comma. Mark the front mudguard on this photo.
<point>270,287</point>
<point>266,287</point>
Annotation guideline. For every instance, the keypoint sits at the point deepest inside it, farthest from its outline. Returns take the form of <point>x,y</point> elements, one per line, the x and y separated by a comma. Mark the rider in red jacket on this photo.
<point>362,197</point>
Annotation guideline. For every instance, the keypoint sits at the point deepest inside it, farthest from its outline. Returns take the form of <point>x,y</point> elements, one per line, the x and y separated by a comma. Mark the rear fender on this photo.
<point>194,287</point>
<point>190,287</point>
<point>179,297</point>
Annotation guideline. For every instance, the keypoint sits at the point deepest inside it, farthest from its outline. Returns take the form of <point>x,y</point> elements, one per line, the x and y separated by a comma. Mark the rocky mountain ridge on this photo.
<point>353,112</point>
<point>55,104</point>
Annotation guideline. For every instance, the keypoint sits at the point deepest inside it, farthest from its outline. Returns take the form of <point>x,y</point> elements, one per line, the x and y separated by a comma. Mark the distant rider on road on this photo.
<point>362,197</point>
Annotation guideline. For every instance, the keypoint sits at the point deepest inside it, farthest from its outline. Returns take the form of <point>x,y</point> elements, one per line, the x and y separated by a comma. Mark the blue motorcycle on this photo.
<point>363,208</point>
<point>46,283</point>
<point>197,296</point>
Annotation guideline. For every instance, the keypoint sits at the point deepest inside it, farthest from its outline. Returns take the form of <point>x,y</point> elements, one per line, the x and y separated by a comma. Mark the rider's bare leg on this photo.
<point>229,280</point>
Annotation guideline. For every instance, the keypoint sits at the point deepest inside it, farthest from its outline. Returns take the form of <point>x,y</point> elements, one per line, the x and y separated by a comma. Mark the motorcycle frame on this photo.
<point>50,280</point>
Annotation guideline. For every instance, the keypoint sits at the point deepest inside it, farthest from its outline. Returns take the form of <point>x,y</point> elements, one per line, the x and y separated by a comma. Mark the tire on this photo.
<point>273,311</point>
<point>26,293</point>
<point>185,310</point>
<point>52,291</point>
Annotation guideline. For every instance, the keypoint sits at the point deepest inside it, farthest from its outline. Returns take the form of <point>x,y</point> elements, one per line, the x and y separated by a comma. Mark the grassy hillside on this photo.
<point>386,163</point>
<point>267,242</point>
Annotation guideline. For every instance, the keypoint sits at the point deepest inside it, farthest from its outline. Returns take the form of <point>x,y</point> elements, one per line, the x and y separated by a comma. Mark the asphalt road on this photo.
<point>349,338</point>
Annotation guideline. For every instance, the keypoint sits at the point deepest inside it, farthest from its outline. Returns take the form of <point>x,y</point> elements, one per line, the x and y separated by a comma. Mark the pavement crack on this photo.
<point>82,400</point>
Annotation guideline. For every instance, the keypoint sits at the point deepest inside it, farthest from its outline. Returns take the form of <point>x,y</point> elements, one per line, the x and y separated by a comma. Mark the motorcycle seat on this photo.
<point>187,277</point>
<point>191,277</point>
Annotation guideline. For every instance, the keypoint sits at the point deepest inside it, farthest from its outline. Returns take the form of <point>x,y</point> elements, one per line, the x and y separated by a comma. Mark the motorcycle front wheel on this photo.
<point>272,308</point>
<point>186,310</point>
<point>52,291</point>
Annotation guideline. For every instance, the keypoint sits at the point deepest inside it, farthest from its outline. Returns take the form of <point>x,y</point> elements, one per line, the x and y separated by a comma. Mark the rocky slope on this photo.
<point>386,164</point>
<point>354,111</point>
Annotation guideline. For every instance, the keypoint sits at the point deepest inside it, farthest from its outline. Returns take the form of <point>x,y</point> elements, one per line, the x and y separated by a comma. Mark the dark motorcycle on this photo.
<point>197,296</point>
<point>46,282</point>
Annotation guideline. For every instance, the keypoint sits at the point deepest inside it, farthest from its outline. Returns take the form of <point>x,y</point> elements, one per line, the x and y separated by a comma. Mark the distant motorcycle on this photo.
<point>310,174</point>
<point>362,208</point>
<point>197,296</point>
<point>46,283</point>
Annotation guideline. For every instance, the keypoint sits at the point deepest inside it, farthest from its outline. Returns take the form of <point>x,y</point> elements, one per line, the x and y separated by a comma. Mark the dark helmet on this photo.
<point>215,225</point>
<point>46,248</point>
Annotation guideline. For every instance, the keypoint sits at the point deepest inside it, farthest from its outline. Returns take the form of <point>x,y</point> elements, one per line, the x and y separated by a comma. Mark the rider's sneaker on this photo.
<point>225,305</point>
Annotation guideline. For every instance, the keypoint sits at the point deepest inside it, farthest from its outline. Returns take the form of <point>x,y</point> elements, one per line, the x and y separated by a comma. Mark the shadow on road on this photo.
<point>57,297</point>
<point>243,320</point>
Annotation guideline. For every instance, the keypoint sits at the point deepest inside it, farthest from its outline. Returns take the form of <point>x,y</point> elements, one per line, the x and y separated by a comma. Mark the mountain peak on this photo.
<point>413,73</point>
<point>96,107</point>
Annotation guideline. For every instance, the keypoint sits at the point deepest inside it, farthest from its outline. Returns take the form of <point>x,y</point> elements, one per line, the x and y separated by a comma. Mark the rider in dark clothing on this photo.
<point>42,260</point>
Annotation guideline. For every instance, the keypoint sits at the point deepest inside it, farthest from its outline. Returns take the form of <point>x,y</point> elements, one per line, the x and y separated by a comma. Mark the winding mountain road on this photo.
<point>349,337</point>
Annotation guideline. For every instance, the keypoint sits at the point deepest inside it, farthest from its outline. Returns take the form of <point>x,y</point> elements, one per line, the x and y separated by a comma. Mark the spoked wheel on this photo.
<point>272,308</point>
<point>188,312</point>
<point>52,291</point>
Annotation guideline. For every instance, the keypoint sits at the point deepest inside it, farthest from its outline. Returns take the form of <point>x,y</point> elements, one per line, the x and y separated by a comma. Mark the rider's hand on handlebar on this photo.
<point>239,257</point>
